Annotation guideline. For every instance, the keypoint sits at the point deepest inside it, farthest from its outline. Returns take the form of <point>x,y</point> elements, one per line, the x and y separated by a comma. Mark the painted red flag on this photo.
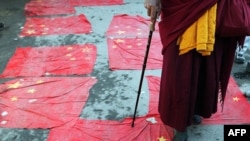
<point>95,2</point>
<point>56,25</point>
<point>48,7</point>
<point>235,111</point>
<point>43,61</point>
<point>146,128</point>
<point>123,25</point>
<point>129,53</point>
<point>42,102</point>
<point>154,88</point>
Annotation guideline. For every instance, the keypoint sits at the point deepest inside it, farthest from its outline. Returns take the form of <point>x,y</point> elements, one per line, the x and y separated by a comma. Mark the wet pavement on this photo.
<point>111,97</point>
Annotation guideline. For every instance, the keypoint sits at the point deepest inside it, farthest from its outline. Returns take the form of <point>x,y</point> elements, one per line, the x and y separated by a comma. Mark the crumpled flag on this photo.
<point>43,102</point>
<point>235,111</point>
<point>44,61</point>
<point>236,108</point>
<point>154,88</point>
<point>48,7</point>
<point>56,25</point>
<point>106,130</point>
<point>129,53</point>
<point>96,2</point>
<point>124,25</point>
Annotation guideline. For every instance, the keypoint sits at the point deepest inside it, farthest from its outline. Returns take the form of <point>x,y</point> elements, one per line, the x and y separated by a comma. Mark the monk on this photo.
<point>194,75</point>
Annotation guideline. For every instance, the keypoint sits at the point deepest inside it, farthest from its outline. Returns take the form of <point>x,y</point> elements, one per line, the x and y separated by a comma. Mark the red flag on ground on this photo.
<point>128,53</point>
<point>124,25</point>
<point>146,128</point>
<point>42,61</point>
<point>95,2</point>
<point>57,25</point>
<point>235,111</point>
<point>48,7</point>
<point>236,108</point>
<point>154,88</point>
<point>43,102</point>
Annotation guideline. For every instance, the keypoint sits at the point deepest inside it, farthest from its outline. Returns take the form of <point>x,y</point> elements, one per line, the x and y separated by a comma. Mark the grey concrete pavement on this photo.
<point>106,99</point>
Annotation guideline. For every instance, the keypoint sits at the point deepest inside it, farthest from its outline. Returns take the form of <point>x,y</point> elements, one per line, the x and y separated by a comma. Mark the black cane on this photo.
<point>152,27</point>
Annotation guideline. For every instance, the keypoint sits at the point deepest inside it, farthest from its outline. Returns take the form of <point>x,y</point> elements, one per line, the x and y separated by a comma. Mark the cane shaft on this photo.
<point>152,26</point>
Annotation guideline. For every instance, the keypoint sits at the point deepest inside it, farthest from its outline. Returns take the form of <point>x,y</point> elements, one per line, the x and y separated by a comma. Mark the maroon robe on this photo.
<point>190,83</point>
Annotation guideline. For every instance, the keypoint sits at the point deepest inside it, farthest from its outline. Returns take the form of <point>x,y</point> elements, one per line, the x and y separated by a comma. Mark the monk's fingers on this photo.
<point>154,13</point>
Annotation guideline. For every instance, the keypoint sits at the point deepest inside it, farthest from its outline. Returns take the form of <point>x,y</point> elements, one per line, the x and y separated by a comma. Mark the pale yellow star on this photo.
<point>46,28</point>
<point>119,41</point>
<point>162,139</point>
<point>14,98</point>
<point>30,31</point>
<point>68,55</point>
<point>139,33</point>
<point>236,99</point>
<point>42,25</point>
<point>15,85</point>
<point>129,46</point>
<point>139,44</point>
<point>69,48</point>
<point>120,32</point>
<point>86,49</point>
<point>72,59</point>
<point>39,81</point>
<point>30,25</point>
<point>31,91</point>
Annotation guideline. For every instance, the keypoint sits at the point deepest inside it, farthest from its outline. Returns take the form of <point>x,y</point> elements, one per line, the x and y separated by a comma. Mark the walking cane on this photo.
<point>152,28</point>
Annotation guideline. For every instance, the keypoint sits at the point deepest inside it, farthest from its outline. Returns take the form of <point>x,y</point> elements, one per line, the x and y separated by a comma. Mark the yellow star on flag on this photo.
<point>86,49</point>
<point>236,99</point>
<point>68,55</point>
<point>31,25</point>
<point>69,48</point>
<point>139,33</point>
<point>120,32</point>
<point>46,28</point>
<point>30,31</point>
<point>14,98</point>
<point>39,82</point>
<point>42,25</point>
<point>72,59</point>
<point>119,41</point>
<point>31,91</point>
<point>162,139</point>
<point>139,44</point>
<point>15,85</point>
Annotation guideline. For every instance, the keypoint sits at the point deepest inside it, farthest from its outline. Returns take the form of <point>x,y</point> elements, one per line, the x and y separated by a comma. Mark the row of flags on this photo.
<point>62,7</point>
<point>38,98</point>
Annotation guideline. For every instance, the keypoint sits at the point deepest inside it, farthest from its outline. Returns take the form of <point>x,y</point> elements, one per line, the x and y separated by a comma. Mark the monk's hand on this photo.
<point>153,8</point>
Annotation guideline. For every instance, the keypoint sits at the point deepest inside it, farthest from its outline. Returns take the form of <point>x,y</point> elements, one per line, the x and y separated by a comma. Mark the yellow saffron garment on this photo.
<point>200,35</point>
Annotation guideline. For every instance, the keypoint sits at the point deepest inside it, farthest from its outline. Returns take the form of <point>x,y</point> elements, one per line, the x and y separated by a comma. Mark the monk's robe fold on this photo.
<point>200,35</point>
<point>177,16</point>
